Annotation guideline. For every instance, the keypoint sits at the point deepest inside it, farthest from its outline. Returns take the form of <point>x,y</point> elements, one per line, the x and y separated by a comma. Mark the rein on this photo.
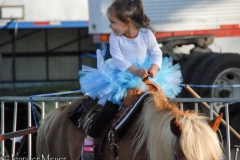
<point>133,93</point>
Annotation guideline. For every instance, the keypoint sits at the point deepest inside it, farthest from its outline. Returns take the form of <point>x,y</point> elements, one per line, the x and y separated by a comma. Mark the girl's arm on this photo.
<point>155,54</point>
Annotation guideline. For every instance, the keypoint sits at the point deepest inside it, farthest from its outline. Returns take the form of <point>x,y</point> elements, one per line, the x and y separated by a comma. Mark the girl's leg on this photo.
<point>96,128</point>
<point>102,119</point>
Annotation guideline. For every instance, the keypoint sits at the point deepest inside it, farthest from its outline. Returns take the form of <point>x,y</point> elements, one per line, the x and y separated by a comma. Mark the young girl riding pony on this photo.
<point>135,56</point>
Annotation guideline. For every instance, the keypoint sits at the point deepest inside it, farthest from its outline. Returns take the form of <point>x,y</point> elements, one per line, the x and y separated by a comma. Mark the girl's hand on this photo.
<point>142,73</point>
<point>152,73</point>
<point>153,70</point>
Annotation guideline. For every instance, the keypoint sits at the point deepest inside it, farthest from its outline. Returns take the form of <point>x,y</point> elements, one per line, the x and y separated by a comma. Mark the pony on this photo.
<point>158,132</point>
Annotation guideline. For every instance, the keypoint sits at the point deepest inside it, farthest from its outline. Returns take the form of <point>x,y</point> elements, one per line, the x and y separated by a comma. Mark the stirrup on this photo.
<point>87,152</point>
<point>88,148</point>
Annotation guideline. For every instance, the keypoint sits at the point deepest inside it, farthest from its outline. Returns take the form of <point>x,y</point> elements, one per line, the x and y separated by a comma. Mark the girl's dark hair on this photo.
<point>132,9</point>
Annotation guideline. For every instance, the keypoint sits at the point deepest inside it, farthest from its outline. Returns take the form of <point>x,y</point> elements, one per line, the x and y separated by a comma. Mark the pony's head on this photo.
<point>195,138</point>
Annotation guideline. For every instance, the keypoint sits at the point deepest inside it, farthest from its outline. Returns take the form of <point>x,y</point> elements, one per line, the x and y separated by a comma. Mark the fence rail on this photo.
<point>42,100</point>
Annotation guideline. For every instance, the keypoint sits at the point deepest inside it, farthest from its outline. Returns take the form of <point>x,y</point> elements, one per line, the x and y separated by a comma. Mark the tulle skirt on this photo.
<point>109,83</point>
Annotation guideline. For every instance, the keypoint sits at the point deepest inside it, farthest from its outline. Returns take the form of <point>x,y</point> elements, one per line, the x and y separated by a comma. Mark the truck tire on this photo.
<point>195,67</point>
<point>223,69</point>
<point>197,75</point>
<point>189,67</point>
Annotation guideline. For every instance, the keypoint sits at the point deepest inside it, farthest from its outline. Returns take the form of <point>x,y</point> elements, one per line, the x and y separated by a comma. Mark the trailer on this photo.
<point>181,18</point>
<point>42,41</point>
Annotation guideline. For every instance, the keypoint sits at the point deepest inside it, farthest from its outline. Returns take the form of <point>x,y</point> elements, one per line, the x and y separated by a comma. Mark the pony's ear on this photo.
<point>176,127</point>
<point>214,124</point>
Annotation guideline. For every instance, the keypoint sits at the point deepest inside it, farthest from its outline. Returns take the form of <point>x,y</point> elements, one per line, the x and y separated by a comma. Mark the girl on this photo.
<point>135,55</point>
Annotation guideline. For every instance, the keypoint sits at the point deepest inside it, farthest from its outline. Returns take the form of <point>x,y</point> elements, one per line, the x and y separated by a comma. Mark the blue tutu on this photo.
<point>109,83</point>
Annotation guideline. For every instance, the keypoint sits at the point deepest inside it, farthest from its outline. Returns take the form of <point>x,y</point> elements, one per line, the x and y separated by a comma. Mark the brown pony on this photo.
<point>148,137</point>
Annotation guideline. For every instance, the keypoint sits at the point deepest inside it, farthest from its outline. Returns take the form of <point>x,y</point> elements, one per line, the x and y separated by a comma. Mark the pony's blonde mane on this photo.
<point>197,141</point>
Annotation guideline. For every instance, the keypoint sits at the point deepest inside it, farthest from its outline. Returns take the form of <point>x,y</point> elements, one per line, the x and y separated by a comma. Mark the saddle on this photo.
<point>132,104</point>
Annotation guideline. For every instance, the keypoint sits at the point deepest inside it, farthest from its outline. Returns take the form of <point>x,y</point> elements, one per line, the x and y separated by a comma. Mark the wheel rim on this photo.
<point>230,76</point>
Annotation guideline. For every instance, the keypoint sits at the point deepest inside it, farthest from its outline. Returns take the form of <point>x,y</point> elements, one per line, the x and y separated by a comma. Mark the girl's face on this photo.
<point>118,27</point>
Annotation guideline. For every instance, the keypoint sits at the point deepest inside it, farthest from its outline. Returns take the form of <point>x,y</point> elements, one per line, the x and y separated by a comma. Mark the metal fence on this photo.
<point>42,100</point>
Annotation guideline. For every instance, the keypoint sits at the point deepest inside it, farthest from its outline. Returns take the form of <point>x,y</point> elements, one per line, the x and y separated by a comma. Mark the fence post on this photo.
<point>227,131</point>
<point>30,135</point>
<point>2,128</point>
<point>14,127</point>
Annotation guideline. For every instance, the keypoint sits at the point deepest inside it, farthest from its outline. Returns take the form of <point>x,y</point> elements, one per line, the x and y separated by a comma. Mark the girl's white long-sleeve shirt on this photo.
<point>126,51</point>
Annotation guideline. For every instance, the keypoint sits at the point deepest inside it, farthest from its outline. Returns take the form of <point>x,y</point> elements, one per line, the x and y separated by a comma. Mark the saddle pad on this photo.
<point>122,125</point>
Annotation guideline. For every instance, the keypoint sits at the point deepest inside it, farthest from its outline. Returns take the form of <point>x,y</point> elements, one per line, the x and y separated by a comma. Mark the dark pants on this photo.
<point>102,119</point>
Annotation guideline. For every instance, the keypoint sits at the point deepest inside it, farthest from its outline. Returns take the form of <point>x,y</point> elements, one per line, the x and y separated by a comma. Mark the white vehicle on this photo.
<point>182,18</point>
